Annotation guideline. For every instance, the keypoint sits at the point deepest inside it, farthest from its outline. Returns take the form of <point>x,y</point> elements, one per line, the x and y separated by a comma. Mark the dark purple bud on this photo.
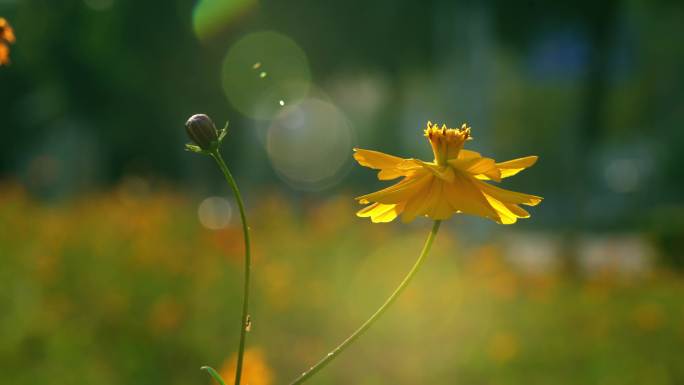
<point>201,130</point>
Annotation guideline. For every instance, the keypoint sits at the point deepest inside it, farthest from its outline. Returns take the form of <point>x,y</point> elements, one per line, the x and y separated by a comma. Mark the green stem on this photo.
<point>213,374</point>
<point>335,352</point>
<point>244,321</point>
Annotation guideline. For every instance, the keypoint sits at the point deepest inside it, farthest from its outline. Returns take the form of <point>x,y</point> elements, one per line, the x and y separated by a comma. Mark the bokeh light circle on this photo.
<point>309,144</point>
<point>261,70</point>
<point>215,213</point>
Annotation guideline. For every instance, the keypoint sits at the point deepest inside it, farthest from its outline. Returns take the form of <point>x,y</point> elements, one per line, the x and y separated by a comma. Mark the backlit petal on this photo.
<point>478,166</point>
<point>391,167</point>
<point>375,159</point>
<point>399,192</point>
<point>512,167</point>
<point>508,196</point>
<point>465,197</point>
<point>468,154</point>
<point>380,213</point>
<point>416,205</point>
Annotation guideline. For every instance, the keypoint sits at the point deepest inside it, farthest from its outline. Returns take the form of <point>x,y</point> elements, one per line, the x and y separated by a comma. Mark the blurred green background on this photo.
<point>121,254</point>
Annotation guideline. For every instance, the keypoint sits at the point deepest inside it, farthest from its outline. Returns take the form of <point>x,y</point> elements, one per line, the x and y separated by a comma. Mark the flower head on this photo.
<point>454,182</point>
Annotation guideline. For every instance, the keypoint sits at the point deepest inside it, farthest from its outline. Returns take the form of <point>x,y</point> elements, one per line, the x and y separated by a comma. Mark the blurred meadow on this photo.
<point>121,254</point>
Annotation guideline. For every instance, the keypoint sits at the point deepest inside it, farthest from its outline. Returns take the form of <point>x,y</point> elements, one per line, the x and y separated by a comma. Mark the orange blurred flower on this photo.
<point>255,371</point>
<point>6,38</point>
<point>454,182</point>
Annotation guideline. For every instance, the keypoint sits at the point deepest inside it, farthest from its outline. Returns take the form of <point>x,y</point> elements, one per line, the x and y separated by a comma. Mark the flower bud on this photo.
<point>202,131</point>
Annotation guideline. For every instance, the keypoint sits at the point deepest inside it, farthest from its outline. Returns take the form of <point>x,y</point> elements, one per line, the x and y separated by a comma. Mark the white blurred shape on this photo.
<point>309,144</point>
<point>533,253</point>
<point>214,213</point>
<point>626,255</point>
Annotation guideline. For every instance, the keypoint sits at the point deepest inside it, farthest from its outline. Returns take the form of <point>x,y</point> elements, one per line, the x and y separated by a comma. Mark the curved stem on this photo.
<point>244,321</point>
<point>335,352</point>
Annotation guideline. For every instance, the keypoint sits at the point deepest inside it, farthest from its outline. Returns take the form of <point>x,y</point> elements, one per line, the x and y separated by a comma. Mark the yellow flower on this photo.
<point>454,182</point>
<point>255,370</point>
<point>6,38</point>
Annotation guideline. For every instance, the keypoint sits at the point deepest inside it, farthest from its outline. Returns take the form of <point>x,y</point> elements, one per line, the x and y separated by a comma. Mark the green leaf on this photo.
<point>214,374</point>
<point>223,133</point>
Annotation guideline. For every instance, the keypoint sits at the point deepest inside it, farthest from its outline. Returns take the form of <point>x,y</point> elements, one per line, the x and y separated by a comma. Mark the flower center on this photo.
<point>446,142</point>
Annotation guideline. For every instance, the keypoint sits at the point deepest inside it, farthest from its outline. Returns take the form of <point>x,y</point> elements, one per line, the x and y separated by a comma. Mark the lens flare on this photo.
<point>263,68</point>
<point>309,144</point>
<point>214,213</point>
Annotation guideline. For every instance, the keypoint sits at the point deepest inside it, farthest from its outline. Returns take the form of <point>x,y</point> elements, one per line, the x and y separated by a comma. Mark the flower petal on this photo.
<point>440,209</point>
<point>391,167</point>
<point>399,192</point>
<point>442,172</point>
<point>375,159</point>
<point>416,205</point>
<point>505,216</point>
<point>464,196</point>
<point>381,213</point>
<point>477,166</point>
<point>512,167</point>
<point>507,196</point>
<point>468,154</point>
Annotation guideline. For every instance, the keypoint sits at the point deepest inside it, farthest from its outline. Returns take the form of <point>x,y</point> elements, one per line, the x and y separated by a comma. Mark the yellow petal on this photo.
<point>512,167</point>
<point>416,205</point>
<point>380,213</point>
<point>376,159</point>
<point>465,197</point>
<point>391,167</point>
<point>389,215</point>
<point>478,166</point>
<point>505,216</point>
<point>517,210</point>
<point>468,154</point>
<point>508,196</point>
<point>399,192</point>
<point>432,198</point>
<point>441,209</point>
<point>389,174</point>
<point>445,173</point>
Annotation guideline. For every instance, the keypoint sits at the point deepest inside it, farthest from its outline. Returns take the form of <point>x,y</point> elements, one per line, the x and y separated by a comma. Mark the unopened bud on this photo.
<point>202,131</point>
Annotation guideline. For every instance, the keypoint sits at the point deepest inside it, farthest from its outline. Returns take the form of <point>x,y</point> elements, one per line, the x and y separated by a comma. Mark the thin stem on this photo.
<point>213,374</point>
<point>244,321</point>
<point>335,352</point>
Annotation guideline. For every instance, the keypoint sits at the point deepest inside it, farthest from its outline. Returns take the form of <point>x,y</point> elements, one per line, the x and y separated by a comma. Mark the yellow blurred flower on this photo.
<point>255,370</point>
<point>454,182</point>
<point>6,38</point>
